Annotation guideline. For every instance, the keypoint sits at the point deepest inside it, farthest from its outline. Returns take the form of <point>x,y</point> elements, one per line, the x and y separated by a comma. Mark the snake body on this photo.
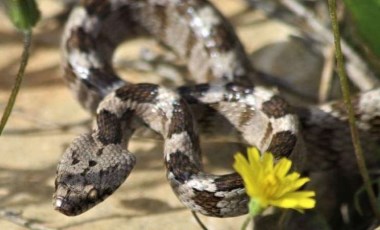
<point>96,164</point>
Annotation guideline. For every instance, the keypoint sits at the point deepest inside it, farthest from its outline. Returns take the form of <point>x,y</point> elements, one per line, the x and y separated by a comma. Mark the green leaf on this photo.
<point>24,14</point>
<point>366,15</point>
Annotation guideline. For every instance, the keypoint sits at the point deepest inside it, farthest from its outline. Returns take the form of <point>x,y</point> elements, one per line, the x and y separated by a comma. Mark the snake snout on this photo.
<point>71,201</point>
<point>62,205</point>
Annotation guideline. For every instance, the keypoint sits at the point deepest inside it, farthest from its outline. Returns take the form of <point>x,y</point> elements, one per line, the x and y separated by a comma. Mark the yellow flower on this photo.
<point>269,184</point>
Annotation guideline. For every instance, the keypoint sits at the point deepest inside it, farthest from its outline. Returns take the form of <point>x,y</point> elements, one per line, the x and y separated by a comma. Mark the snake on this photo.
<point>226,93</point>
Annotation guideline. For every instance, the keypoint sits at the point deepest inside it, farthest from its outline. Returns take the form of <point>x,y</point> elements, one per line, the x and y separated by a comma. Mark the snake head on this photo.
<point>88,173</point>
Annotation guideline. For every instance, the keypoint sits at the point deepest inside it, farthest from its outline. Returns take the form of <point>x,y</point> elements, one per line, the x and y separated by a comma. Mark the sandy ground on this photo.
<point>46,118</point>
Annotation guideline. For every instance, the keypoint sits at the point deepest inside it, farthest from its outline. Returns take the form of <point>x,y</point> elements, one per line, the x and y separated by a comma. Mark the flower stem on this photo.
<point>246,222</point>
<point>347,101</point>
<point>199,221</point>
<point>20,74</point>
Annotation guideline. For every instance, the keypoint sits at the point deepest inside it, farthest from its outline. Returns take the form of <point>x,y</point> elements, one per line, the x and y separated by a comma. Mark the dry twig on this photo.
<point>327,74</point>
<point>16,218</point>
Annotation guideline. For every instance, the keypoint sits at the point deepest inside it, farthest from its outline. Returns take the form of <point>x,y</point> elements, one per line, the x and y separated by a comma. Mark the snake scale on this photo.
<point>97,163</point>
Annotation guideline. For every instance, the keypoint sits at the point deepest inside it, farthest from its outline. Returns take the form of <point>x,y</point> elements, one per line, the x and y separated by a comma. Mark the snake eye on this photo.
<point>93,194</point>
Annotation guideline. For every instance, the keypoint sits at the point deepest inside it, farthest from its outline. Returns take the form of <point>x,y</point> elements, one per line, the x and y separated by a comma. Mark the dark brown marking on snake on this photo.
<point>80,39</point>
<point>192,93</point>
<point>207,200</point>
<point>92,163</point>
<point>102,76</point>
<point>245,115</point>
<point>115,167</point>
<point>140,93</point>
<point>180,121</point>
<point>74,156</point>
<point>190,43</point>
<point>340,108</point>
<point>69,176</point>
<point>302,113</point>
<point>161,16</point>
<point>181,167</point>
<point>99,152</point>
<point>229,182</point>
<point>267,133</point>
<point>191,39</point>
<point>224,40</point>
<point>101,173</point>
<point>88,85</point>
<point>282,143</point>
<point>109,128</point>
<point>85,171</point>
<point>220,34</point>
<point>276,107</point>
<point>75,161</point>
<point>99,8</point>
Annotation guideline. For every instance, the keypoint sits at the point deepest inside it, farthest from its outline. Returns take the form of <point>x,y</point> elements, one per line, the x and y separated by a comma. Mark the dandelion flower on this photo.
<point>269,184</point>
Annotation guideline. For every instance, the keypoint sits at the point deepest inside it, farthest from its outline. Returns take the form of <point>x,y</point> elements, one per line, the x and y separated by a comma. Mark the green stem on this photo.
<point>199,221</point>
<point>246,222</point>
<point>20,74</point>
<point>351,117</point>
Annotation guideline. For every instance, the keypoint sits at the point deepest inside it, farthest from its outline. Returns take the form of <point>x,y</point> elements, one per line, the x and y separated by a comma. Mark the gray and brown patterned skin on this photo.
<point>96,164</point>
<point>327,136</point>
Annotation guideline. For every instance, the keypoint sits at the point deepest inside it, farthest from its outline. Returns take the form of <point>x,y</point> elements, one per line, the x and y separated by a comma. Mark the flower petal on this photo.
<point>305,203</point>
<point>282,167</point>
<point>267,162</point>
<point>299,194</point>
<point>241,166</point>
<point>300,182</point>
<point>272,184</point>
<point>293,176</point>
<point>254,157</point>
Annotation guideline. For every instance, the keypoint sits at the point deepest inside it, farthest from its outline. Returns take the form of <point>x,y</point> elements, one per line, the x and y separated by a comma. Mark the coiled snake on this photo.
<point>96,164</point>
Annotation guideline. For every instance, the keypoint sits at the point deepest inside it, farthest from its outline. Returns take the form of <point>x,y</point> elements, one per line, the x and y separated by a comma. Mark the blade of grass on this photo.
<point>24,15</point>
<point>203,227</point>
<point>20,74</point>
<point>347,101</point>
